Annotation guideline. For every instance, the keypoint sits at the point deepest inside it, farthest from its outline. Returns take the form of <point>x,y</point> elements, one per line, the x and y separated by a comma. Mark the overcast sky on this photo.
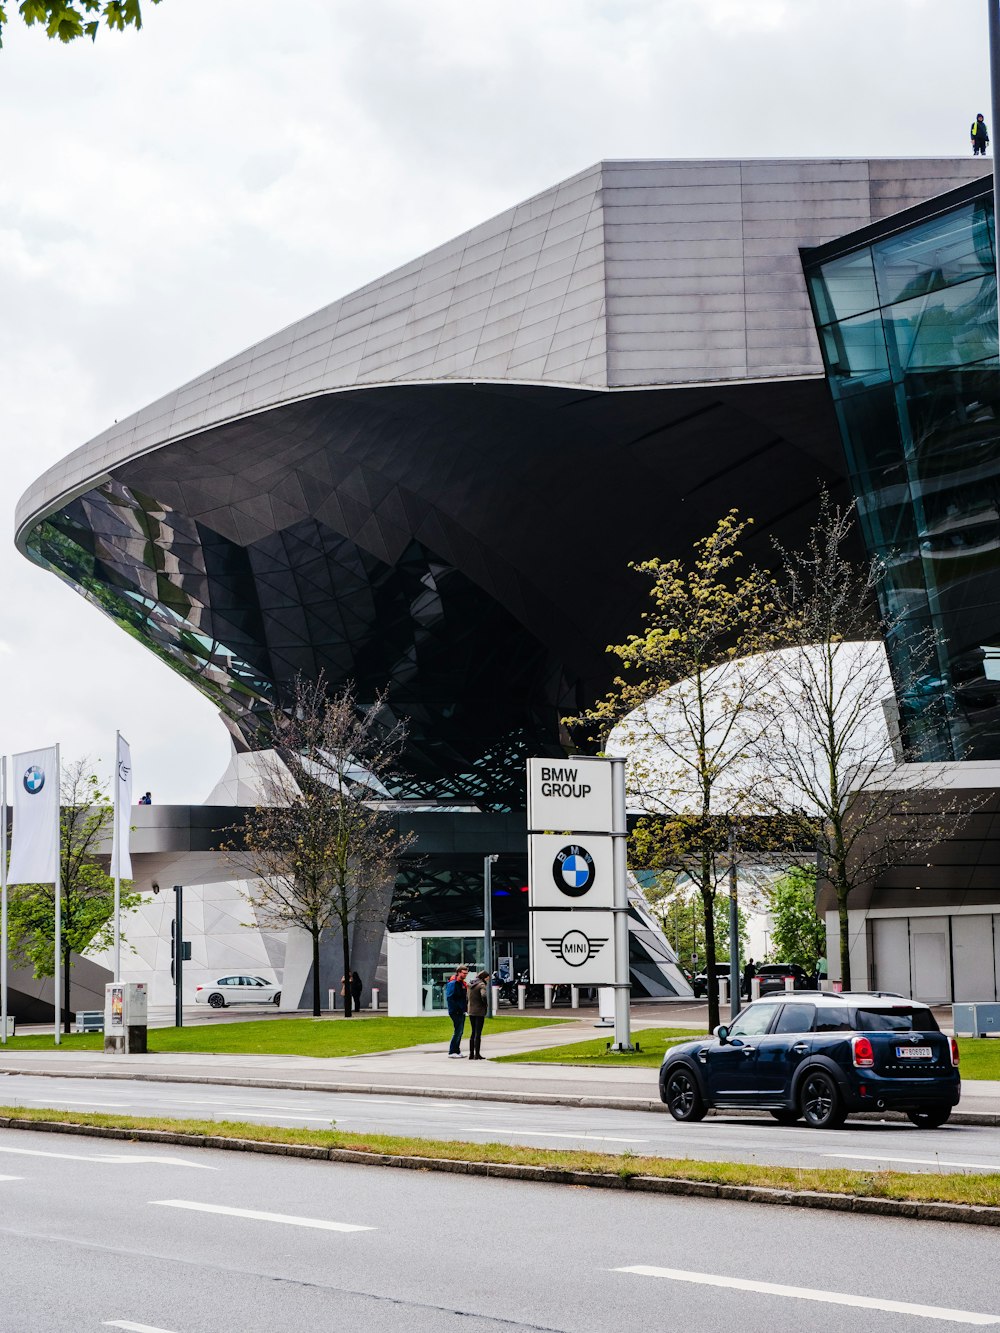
<point>168,197</point>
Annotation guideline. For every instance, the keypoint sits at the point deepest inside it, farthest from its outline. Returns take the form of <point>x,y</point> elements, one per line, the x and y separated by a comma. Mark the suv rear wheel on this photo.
<point>821,1104</point>
<point>682,1095</point>
<point>930,1118</point>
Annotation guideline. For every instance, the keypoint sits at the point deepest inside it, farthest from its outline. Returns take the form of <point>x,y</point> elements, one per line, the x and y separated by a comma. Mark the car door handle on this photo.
<point>800,1047</point>
<point>749,1050</point>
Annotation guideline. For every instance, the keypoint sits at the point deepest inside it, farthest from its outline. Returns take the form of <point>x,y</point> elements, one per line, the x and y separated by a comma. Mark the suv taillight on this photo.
<point>199,987</point>
<point>864,1056</point>
<point>954,1052</point>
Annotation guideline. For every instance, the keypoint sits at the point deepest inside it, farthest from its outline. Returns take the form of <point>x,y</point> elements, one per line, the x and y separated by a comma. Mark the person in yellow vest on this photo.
<point>980,135</point>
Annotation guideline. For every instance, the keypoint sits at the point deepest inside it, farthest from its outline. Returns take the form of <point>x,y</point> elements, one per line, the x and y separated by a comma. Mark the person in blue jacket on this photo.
<point>456,995</point>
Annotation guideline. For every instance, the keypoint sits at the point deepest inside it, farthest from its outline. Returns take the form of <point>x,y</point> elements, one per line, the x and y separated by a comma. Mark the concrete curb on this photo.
<point>968,1214</point>
<point>607,1103</point>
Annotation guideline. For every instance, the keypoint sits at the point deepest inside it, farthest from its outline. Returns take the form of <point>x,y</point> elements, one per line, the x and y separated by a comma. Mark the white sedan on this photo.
<point>237,990</point>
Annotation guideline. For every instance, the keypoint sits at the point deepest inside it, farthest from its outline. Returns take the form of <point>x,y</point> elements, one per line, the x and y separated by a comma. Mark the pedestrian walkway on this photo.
<point>423,1070</point>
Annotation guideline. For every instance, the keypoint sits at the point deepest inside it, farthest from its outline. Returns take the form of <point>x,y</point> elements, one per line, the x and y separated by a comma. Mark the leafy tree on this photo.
<point>683,711</point>
<point>69,19</point>
<point>798,935</point>
<point>323,849</point>
<point>677,909</point>
<point>824,745</point>
<point>87,891</point>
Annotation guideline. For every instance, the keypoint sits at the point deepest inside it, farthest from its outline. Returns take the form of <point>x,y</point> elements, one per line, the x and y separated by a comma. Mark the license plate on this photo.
<point>914,1052</point>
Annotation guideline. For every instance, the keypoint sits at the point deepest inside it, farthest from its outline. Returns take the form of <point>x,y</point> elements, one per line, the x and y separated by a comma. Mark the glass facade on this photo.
<point>907,321</point>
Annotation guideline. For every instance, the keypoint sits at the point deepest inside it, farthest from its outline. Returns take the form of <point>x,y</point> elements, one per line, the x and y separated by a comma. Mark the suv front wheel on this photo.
<point>682,1095</point>
<point>820,1100</point>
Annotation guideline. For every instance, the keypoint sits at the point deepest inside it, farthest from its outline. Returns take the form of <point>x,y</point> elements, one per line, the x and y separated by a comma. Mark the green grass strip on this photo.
<point>321,1037</point>
<point>981,1189</point>
<point>980,1056</point>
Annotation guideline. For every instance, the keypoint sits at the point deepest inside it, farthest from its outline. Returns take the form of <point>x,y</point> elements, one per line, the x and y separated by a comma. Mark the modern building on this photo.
<point>907,315</point>
<point>439,481</point>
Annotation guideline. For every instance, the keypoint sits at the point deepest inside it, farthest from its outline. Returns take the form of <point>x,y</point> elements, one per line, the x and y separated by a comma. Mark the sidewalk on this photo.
<point>425,1071</point>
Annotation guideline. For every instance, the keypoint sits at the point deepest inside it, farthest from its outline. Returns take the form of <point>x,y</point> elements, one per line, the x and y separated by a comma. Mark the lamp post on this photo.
<point>488,863</point>
<point>734,928</point>
<point>179,956</point>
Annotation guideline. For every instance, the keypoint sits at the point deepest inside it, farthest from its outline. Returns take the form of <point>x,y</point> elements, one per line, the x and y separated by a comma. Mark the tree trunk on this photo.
<point>348,992</point>
<point>66,985</point>
<point>315,939</point>
<point>845,943</point>
<point>708,905</point>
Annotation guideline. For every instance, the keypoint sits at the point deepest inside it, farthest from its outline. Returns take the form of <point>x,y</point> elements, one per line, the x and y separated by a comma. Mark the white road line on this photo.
<point>809,1294</point>
<point>135,1328</point>
<point>255,1215</point>
<point>315,1119</point>
<point>65,1101</point>
<point>914,1161</point>
<point>110,1159</point>
<point>11,1177</point>
<point>543,1134</point>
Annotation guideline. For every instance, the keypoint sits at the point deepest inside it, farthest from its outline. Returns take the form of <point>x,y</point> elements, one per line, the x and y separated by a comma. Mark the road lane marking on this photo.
<point>256,1215</point>
<point>809,1294</point>
<point>66,1101</point>
<point>11,1177</point>
<point>914,1161</point>
<point>543,1134</point>
<point>110,1159</point>
<point>135,1328</point>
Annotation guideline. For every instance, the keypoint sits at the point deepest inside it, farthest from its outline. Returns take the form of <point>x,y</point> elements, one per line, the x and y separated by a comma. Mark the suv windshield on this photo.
<point>900,1018</point>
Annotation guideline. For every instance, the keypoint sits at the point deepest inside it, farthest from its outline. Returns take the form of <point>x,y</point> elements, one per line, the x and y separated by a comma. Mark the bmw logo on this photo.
<point>573,871</point>
<point>34,780</point>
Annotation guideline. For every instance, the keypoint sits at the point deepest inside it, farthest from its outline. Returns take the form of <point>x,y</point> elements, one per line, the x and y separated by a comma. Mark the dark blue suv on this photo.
<point>818,1056</point>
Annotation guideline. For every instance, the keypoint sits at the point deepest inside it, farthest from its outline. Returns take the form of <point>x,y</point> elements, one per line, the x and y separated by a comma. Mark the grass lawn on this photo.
<point>654,1041</point>
<point>980,1056</point>
<point>950,1187</point>
<point>289,1036</point>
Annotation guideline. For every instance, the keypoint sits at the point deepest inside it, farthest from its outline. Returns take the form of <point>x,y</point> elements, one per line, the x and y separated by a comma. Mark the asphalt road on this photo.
<point>97,1235</point>
<point>862,1144</point>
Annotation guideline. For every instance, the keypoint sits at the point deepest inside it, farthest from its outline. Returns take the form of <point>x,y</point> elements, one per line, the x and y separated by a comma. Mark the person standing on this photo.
<point>980,135</point>
<point>356,989</point>
<point>748,975</point>
<point>456,994</point>
<point>478,1009</point>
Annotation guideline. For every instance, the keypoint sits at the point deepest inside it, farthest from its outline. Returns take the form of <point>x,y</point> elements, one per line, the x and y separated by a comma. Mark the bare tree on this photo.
<point>323,846</point>
<point>826,752</point>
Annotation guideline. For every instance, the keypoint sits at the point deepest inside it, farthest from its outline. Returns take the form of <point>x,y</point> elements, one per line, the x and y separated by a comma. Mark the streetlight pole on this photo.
<point>179,956</point>
<point>488,862</point>
<point>993,10</point>
<point>734,928</point>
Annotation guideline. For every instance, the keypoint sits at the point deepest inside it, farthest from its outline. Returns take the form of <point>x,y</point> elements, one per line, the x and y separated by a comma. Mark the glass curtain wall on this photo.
<point>908,328</point>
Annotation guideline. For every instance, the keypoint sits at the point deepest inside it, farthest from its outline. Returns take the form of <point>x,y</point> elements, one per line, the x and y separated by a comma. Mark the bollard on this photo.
<point>789,983</point>
<point>755,988</point>
<point>723,991</point>
<point>548,997</point>
<point>494,1000</point>
<point>522,995</point>
<point>574,997</point>
<point>374,997</point>
<point>331,999</point>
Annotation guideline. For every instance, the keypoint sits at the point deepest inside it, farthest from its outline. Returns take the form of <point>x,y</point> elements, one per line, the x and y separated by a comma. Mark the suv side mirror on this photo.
<point>722,1032</point>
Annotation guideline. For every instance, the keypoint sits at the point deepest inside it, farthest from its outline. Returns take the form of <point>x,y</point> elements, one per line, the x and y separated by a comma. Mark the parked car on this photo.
<point>237,990</point>
<point>699,984</point>
<point>818,1057</point>
<point>772,977</point>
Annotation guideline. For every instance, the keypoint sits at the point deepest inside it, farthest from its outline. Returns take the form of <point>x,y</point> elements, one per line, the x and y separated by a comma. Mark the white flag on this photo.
<point>34,851</point>
<point>121,861</point>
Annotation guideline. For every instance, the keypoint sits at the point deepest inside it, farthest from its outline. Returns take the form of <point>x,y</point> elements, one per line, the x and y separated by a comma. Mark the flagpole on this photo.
<point>57,970</point>
<point>117,843</point>
<point>3,900</point>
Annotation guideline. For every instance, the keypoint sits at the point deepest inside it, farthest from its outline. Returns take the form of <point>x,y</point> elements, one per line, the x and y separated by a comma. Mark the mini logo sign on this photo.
<point>573,871</point>
<point>575,948</point>
<point>123,771</point>
<point>34,780</point>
